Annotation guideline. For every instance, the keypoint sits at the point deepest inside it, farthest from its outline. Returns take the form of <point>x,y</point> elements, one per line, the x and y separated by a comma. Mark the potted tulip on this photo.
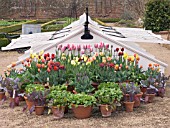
<point>81,105</point>
<point>58,100</point>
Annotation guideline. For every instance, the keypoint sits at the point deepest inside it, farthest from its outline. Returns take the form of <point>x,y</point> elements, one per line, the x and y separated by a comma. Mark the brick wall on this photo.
<point>45,9</point>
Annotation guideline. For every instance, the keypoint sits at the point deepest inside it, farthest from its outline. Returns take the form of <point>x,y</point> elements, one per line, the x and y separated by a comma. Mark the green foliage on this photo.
<point>81,99</point>
<point>157,15</point>
<point>108,93</point>
<point>34,87</point>
<point>58,96</point>
<point>4,42</point>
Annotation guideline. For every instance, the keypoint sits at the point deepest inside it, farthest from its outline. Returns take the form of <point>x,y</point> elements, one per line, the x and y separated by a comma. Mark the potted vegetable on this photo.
<point>106,98</point>
<point>2,88</point>
<point>38,98</point>
<point>129,94</point>
<point>29,90</point>
<point>58,99</point>
<point>132,88</point>
<point>12,87</point>
<point>150,94</point>
<point>81,105</point>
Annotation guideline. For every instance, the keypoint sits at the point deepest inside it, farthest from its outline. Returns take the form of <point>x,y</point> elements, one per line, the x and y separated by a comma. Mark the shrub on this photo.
<point>157,15</point>
<point>4,42</point>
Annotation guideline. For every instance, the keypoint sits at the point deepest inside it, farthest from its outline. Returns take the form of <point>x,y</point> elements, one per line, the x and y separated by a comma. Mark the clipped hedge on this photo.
<point>15,27</point>
<point>47,23</point>
<point>157,15</point>
<point>100,22</point>
<point>4,42</point>
<point>109,20</point>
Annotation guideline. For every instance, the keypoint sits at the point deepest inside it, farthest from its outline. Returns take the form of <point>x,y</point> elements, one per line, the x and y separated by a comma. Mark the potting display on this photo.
<point>79,78</point>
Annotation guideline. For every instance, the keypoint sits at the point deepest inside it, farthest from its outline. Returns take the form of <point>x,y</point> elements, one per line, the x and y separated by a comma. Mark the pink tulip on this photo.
<point>78,47</point>
<point>91,49</point>
<point>59,47</point>
<point>88,46</point>
<point>82,51</point>
<point>68,45</point>
<point>107,46</point>
<point>96,45</point>
<point>69,49</point>
<point>84,46</point>
<point>63,49</point>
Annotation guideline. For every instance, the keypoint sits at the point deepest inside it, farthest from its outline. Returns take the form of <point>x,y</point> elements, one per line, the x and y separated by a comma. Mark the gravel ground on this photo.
<point>153,115</point>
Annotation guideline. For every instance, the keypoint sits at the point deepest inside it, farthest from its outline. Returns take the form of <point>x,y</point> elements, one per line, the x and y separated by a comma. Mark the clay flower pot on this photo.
<point>58,112</point>
<point>129,106</point>
<point>149,98</point>
<point>137,99</point>
<point>143,89</point>
<point>82,112</point>
<point>29,103</point>
<point>39,110</point>
<point>16,103</point>
<point>106,110</point>
<point>2,94</point>
<point>95,85</point>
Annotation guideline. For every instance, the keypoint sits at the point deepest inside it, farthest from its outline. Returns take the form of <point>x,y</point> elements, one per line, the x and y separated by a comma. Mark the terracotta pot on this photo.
<point>143,89</point>
<point>39,110</point>
<point>137,99</point>
<point>95,85</point>
<point>129,106</point>
<point>70,88</point>
<point>106,110</point>
<point>82,112</point>
<point>14,100</point>
<point>29,103</point>
<point>58,112</point>
<point>2,94</point>
<point>150,97</point>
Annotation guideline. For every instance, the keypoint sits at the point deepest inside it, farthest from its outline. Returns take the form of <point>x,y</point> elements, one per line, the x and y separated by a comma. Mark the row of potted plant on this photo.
<point>95,73</point>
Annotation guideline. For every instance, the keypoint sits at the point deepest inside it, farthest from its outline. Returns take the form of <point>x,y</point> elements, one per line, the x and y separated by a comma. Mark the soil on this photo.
<point>153,115</point>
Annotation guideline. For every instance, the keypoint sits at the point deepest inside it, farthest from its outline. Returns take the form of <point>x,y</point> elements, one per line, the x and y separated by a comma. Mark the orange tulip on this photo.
<point>13,64</point>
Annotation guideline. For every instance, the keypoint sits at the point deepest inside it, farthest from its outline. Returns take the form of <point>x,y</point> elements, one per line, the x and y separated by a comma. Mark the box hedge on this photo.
<point>15,27</point>
<point>4,42</point>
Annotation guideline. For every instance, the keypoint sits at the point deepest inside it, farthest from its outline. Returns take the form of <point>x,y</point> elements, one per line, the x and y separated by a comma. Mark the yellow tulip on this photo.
<point>77,59</point>
<point>125,55</point>
<point>73,62</point>
<point>85,58</point>
<point>101,54</point>
<point>88,63</point>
